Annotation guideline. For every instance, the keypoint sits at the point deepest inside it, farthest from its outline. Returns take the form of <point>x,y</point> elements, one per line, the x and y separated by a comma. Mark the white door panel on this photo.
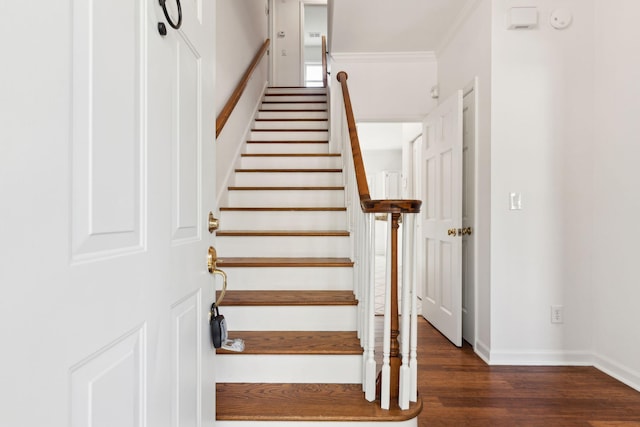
<point>106,176</point>
<point>442,195</point>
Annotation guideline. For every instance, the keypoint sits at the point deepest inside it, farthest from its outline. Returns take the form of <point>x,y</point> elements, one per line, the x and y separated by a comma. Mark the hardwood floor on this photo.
<point>459,389</point>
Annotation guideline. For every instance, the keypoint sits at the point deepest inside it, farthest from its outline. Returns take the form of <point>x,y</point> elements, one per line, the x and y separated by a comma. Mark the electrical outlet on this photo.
<point>557,315</point>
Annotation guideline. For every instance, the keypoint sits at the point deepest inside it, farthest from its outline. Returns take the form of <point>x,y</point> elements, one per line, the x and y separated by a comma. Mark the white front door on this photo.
<point>441,250</point>
<point>107,178</point>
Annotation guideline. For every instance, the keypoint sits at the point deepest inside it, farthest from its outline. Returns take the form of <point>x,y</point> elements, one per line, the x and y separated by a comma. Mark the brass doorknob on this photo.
<point>452,232</point>
<point>214,223</point>
<point>212,259</point>
<point>467,231</point>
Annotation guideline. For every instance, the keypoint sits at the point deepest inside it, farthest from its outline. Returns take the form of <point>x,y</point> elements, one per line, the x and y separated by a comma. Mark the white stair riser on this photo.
<point>291,124</point>
<point>318,135</point>
<point>290,148</point>
<point>291,162</point>
<point>295,90</point>
<point>289,318</point>
<point>288,198</point>
<point>304,179</point>
<point>281,220</point>
<point>294,106</point>
<point>290,278</point>
<point>274,114</point>
<point>410,423</point>
<point>303,97</point>
<point>286,368</point>
<point>283,246</point>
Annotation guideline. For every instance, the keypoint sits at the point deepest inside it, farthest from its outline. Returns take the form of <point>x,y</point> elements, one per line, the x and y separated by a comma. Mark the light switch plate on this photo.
<point>515,201</point>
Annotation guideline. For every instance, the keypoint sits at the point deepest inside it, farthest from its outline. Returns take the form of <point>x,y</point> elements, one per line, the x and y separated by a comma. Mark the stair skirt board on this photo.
<point>288,368</point>
<point>283,246</point>
<point>290,278</point>
<point>293,220</point>
<point>289,318</point>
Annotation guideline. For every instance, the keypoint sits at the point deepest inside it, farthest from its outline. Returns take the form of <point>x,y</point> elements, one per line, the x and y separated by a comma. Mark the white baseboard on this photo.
<point>482,350</point>
<point>617,371</point>
<point>541,358</point>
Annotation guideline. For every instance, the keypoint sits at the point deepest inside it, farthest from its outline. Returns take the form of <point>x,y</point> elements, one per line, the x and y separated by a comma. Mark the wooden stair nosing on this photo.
<point>288,170</point>
<point>286,188</point>
<point>277,233</point>
<point>292,119</point>
<point>290,155</point>
<point>284,209</point>
<point>297,342</point>
<point>295,102</point>
<point>287,298</point>
<point>289,130</point>
<point>304,402</point>
<point>294,110</point>
<point>297,141</point>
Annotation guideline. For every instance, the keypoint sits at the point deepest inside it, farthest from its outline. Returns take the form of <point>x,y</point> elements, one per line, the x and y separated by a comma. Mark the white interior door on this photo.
<point>106,175</point>
<point>442,218</point>
<point>468,213</point>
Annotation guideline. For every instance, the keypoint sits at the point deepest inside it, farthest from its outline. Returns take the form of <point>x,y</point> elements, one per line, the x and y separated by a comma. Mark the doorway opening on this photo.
<point>313,27</point>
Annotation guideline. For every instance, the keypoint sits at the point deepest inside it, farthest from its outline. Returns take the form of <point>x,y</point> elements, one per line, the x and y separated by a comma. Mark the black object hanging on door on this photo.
<point>174,25</point>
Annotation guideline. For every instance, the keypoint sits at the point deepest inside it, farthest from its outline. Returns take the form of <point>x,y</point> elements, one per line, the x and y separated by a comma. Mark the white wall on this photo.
<point>615,199</point>
<point>386,86</point>
<point>542,144</point>
<point>241,29</point>
<point>465,55</point>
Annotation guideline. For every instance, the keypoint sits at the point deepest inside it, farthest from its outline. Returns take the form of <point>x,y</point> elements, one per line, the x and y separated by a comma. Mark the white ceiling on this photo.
<point>392,25</point>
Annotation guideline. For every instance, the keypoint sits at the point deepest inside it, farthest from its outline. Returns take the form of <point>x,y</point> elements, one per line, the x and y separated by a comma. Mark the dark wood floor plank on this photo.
<point>284,262</point>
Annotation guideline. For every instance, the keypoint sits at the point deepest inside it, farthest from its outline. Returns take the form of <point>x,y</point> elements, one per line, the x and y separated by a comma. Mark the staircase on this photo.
<point>286,250</point>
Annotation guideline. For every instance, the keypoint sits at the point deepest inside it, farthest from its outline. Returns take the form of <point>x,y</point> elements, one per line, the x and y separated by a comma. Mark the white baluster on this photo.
<point>386,344</point>
<point>405,326</point>
<point>370,363</point>
<point>413,357</point>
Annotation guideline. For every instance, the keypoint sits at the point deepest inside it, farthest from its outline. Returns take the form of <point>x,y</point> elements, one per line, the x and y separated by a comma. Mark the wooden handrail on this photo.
<point>395,208</point>
<point>324,61</point>
<point>225,113</point>
<point>368,205</point>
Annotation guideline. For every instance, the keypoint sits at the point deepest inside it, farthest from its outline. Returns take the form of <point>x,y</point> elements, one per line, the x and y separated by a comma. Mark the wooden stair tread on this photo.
<point>303,402</point>
<point>292,119</point>
<point>289,130</point>
<point>301,101</point>
<point>290,155</point>
<point>284,209</point>
<point>297,342</point>
<point>287,298</point>
<point>303,141</point>
<point>283,262</point>
<point>273,233</point>
<point>289,170</point>
<point>331,188</point>
<point>294,110</point>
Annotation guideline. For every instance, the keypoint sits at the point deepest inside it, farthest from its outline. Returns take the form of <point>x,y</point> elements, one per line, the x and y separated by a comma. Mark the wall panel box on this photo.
<point>522,18</point>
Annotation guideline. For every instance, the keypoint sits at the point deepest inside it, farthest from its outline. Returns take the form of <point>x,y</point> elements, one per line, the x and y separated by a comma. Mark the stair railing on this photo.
<point>324,62</point>
<point>226,111</point>
<point>398,376</point>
